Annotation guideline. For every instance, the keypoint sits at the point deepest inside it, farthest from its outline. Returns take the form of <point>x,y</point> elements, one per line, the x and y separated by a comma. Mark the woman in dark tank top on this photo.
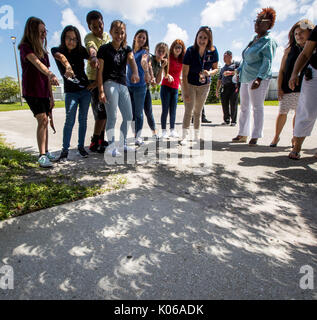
<point>298,36</point>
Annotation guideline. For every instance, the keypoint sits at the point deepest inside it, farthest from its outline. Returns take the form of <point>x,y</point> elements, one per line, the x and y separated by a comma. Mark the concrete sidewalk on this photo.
<point>241,232</point>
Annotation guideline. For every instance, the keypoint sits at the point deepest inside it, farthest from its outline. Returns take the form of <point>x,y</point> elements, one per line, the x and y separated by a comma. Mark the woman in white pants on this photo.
<point>255,73</point>
<point>306,113</point>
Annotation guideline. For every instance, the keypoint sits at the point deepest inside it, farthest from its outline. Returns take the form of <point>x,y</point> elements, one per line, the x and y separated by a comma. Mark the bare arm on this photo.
<point>69,73</point>
<point>135,74</point>
<point>217,88</point>
<point>145,67</point>
<point>301,62</point>
<point>281,74</point>
<point>42,68</point>
<point>102,96</point>
<point>94,62</point>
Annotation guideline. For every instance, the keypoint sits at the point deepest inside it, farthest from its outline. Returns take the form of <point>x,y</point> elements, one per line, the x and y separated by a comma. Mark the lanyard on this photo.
<point>203,61</point>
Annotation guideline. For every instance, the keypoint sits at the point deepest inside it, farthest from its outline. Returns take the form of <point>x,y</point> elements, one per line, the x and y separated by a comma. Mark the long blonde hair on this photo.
<point>32,38</point>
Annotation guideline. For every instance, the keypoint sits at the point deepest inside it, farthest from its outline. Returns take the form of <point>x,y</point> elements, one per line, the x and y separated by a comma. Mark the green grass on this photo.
<point>61,104</point>
<point>266,103</point>
<point>17,106</point>
<point>24,188</point>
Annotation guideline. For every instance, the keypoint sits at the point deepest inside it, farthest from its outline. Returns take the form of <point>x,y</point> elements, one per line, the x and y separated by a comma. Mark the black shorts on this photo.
<point>38,105</point>
<point>98,109</point>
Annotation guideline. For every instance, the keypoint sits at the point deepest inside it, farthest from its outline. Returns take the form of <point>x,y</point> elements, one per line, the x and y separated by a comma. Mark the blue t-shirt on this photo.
<point>138,57</point>
<point>197,64</point>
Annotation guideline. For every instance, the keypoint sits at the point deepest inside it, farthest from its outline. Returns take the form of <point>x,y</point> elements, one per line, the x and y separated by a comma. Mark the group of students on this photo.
<point>119,76</point>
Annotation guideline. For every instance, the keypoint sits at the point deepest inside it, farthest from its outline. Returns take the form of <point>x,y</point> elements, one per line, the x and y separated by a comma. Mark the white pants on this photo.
<point>306,112</point>
<point>255,98</point>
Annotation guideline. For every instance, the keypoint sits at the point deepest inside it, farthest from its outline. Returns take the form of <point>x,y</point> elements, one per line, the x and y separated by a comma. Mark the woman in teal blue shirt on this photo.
<point>255,73</point>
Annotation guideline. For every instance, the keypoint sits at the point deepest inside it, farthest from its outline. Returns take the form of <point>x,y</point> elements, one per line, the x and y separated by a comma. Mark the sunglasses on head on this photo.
<point>205,27</point>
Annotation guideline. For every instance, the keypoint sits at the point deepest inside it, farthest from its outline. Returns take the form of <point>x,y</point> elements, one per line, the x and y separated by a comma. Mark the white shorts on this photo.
<point>289,102</point>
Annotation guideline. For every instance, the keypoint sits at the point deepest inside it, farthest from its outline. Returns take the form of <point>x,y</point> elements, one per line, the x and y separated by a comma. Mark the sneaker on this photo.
<point>50,156</point>
<point>183,142</point>
<point>174,134</point>
<point>165,135</point>
<point>233,124</point>
<point>63,156</point>
<point>82,152</point>
<point>105,143</point>
<point>156,136</point>
<point>139,142</point>
<point>205,120</point>
<point>93,145</point>
<point>44,162</point>
<point>101,148</point>
<point>113,151</point>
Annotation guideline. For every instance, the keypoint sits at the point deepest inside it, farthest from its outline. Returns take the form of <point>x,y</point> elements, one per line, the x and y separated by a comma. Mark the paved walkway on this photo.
<point>241,232</point>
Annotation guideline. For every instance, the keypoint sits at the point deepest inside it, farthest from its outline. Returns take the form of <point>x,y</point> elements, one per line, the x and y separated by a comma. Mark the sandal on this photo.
<point>294,155</point>
<point>274,145</point>
<point>239,139</point>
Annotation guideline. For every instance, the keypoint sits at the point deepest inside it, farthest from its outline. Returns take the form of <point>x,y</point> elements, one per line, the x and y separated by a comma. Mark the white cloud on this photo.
<point>217,13</point>
<point>68,18</point>
<point>137,11</point>
<point>309,11</point>
<point>237,44</point>
<point>175,32</point>
<point>62,2</point>
<point>283,8</point>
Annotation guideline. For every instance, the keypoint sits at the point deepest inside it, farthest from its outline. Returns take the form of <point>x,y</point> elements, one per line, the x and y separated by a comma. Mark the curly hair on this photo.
<point>268,13</point>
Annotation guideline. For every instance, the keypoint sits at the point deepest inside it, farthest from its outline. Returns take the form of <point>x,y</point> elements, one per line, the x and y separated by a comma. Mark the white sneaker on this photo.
<point>45,162</point>
<point>183,142</point>
<point>50,156</point>
<point>113,151</point>
<point>139,142</point>
<point>156,136</point>
<point>174,134</point>
<point>165,135</point>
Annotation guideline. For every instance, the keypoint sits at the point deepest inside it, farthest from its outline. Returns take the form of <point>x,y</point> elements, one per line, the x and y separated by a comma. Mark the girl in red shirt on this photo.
<point>170,85</point>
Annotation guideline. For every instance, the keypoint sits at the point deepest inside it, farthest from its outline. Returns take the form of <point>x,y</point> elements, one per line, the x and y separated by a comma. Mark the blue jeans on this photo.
<point>148,110</point>
<point>117,96</point>
<point>72,101</point>
<point>137,99</point>
<point>169,97</point>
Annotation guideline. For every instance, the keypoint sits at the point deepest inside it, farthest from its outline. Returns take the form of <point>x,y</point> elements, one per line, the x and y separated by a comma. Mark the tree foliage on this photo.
<point>8,89</point>
<point>212,93</point>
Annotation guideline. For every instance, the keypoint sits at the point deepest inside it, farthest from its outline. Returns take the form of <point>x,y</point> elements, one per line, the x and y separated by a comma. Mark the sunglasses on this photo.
<point>261,20</point>
<point>205,27</point>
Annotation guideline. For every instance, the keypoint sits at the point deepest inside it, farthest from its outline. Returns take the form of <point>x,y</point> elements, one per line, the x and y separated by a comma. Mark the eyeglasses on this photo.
<point>178,47</point>
<point>261,20</point>
<point>71,39</point>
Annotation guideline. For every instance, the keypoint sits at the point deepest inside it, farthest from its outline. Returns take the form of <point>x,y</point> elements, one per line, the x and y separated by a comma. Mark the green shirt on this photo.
<point>92,41</point>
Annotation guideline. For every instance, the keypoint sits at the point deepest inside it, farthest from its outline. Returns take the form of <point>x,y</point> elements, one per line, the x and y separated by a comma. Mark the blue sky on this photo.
<point>165,20</point>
